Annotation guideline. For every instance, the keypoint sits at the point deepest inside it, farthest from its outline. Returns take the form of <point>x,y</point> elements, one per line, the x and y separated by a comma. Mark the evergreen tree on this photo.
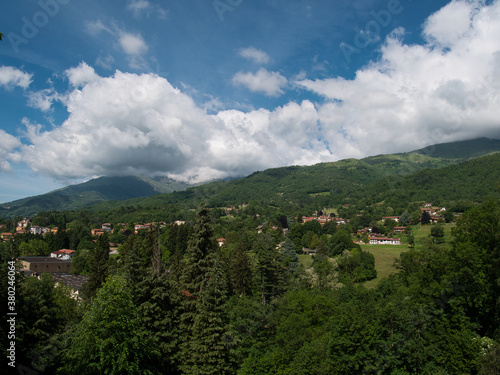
<point>211,344</point>
<point>405,218</point>
<point>290,255</point>
<point>425,218</point>
<point>201,248</point>
<point>270,271</point>
<point>240,271</point>
<point>98,266</point>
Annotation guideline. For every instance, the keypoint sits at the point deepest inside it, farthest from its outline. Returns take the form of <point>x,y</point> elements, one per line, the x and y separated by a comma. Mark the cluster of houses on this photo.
<point>323,219</point>
<point>24,226</point>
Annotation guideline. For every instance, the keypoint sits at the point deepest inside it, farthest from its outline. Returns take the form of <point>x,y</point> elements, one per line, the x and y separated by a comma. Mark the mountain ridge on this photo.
<point>346,176</point>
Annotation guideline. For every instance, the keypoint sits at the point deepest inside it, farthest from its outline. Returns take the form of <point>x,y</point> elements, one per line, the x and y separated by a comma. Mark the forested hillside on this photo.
<point>281,272</point>
<point>178,303</point>
<point>336,181</point>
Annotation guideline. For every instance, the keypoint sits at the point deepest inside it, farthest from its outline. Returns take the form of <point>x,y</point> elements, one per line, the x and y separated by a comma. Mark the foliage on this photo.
<point>111,337</point>
<point>357,266</point>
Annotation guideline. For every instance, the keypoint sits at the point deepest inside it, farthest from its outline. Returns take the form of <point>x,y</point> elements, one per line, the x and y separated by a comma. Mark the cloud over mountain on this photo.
<point>445,89</point>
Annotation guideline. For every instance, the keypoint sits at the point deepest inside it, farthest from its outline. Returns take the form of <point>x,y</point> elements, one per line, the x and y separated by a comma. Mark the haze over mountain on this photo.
<point>346,175</point>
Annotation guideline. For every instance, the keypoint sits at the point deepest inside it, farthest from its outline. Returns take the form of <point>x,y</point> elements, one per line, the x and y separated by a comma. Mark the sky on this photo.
<point>209,89</point>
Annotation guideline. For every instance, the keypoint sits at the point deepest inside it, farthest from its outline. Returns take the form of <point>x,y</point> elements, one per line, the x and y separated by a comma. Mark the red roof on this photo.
<point>63,251</point>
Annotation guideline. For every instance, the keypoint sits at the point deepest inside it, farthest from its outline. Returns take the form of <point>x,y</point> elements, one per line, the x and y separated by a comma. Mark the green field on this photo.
<point>422,233</point>
<point>384,260</point>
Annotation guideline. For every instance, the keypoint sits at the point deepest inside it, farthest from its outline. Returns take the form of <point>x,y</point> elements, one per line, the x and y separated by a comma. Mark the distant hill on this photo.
<point>94,191</point>
<point>461,149</point>
<point>394,179</point>
<point>332,182</point>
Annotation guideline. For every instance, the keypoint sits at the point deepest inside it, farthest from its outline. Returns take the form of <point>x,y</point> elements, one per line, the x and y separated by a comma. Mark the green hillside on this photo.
<point>462,149</point>
<point>426,174</point>
<point>82,195</point>
<point>301,190</point>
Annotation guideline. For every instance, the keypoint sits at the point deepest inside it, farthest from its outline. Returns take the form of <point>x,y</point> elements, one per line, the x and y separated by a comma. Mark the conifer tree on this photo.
<point>270,271</point>
<point>211,346</point>
<point>240,272</point>
<point>201,248</point>
<point>98,266</point>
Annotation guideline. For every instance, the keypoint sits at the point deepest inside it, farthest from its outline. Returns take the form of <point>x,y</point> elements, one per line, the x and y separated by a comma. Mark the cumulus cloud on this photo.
<point>11,77</point>
<point>81,75</point>
<point>7,145</point>
<point>270,83</point>
<point>416,95</point>
<point>256,55</point>
<point>141,124</point>
<point>444,90</point>
<point>42,99</point>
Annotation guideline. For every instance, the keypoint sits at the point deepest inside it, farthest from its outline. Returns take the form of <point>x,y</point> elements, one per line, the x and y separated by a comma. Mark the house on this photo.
<point>6,236</point>
<point>307,251</point>
<point>96,232</point>
<point>63,254</point>
<point>399,229</point>
<point>74,282</point>
<point>179,222</point>
<point>22,225</point>
<point>395,218</point>
<point>384,241</point>
<point>106,227</point>
<point>220,241</point>
<point>36,229</point>
<point>139,227</point>
<point>45,264</point>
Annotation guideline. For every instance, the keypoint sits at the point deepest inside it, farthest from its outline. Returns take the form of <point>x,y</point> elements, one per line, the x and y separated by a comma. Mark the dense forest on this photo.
<point>218,283</point>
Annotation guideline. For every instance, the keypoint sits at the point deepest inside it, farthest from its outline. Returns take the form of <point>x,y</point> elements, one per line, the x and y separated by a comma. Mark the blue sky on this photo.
<point>198,90</point>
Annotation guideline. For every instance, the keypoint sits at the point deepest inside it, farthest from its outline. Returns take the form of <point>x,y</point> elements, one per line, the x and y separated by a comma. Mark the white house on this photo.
<point>384,241</point>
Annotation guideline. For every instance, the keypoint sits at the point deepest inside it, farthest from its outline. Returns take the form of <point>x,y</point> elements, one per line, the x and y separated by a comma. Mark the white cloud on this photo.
<point>256,55</point>
<point>144,7</point>
<point>132,44</point>
<point>42,99</point>
<point>418,95</point>
<point>81,75</point>
<point>7,145</point>
<point>270,83</point>
<point>10,77</point>
<point>450,23</point>
<point>96,27</point>
<point>415,95</point>
<point>130,124</point>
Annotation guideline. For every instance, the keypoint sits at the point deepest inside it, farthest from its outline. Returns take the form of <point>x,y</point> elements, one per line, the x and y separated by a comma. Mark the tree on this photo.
<point>437,231</point>
<point>270,272</point>
<point>405,218</point>
<point>290,256</point>
<point>111,339</point>
<point>201,248</point>
<point>98,266</point>
<point>211,343</point>
<point>425,218</point>
<point>240,271</point>
<point>340,241</point>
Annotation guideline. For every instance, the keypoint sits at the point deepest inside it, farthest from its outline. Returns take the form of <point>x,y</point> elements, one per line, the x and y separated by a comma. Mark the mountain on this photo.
<point>461,149</point>
<point>332,182</point>
<point>393,179</point>
<point>97,190</point>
